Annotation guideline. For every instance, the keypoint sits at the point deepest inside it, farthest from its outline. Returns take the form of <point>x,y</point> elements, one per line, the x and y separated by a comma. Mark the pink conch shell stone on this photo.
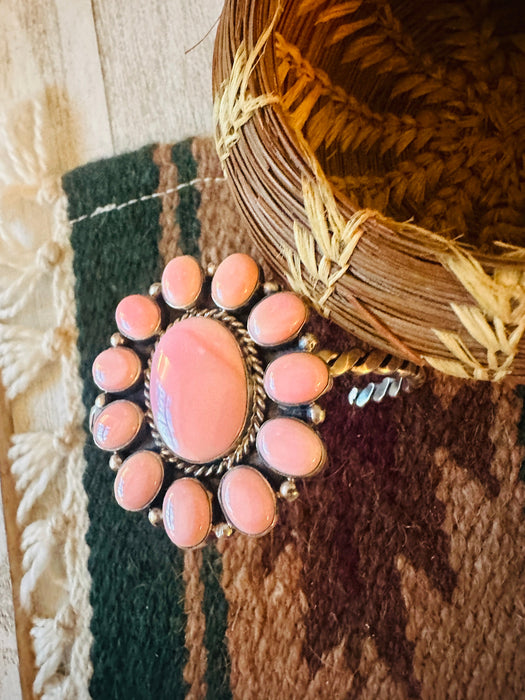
<point>117,425</point>
<point>199,391</point>
<point>291,447</point>
<point>296,378</point>
<point>139,480</point>
<point>116,369</point>
<point>235,281</point>
<point>137,317</point>
<point>187,512</point>
<point>277,319</point>
<point>248,501</point>
<point>182,282</point>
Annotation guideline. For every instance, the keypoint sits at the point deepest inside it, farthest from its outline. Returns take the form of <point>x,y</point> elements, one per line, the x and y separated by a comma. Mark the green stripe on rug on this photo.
<point>189,199</point>
<point>137,589</point>
<point>215,606</point>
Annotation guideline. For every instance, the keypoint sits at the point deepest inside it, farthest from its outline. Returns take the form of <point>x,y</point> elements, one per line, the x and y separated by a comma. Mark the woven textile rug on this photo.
<point>399,572</point>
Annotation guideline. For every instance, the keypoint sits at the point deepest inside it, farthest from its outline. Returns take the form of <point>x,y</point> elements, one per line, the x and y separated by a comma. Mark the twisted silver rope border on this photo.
<point>256,398</point>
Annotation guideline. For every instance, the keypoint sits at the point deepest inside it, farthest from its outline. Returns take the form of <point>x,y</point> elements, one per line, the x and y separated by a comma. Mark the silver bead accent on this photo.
<point>155,290</point>
<point>316,414</point>
<point>116,340</point>
<point>115,462</point>
<point>271,287</point>
<point>211,269</point>
<point>288,490</point>
<point>308,342</point>
<point>222,530</point>
<point>155,516</point>
<point>100,401</point>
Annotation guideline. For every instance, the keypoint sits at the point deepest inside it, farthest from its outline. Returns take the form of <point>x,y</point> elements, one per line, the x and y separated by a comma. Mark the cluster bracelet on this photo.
<point>209,399</point>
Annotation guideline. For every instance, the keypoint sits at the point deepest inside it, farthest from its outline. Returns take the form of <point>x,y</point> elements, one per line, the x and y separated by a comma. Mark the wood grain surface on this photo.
<point>115,76</point>
<point>121,66</point>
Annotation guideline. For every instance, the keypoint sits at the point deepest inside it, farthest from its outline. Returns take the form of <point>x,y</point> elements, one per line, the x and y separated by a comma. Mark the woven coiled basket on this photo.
<point>377,151</point>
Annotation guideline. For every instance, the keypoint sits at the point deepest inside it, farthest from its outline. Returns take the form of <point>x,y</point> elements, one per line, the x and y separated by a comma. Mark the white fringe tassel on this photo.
<point>18,293</point>
<point>40,539</point>
<point>52,637</point>
<point>26,160</point>
<point>47,464</point>
<point>35,459</point>
<point>25,353</point>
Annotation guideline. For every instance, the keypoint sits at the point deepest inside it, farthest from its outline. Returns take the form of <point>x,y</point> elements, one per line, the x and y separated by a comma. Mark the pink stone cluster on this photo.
<point>199,393</point>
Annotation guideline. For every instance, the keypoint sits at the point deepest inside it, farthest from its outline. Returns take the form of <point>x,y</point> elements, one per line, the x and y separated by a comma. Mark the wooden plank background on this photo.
<point>115,75</point>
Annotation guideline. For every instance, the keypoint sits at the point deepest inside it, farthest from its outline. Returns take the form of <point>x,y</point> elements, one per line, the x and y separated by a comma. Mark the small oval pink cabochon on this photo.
<point>248,501</point>
<point>235,281</point>
<point>296,378</point>
<point>182,282</point>
<point>277,319</point>
<point>138,480</point>
<point>117,425</point>
<point>138,317</point>
<point>291,447</point>
<point>116,369</point>
<point>187,512</point>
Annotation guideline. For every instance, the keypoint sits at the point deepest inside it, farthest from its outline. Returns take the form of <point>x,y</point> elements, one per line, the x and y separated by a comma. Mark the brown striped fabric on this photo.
<point>221,228</point>
<point>400,570</point>
<point>195,626</point>
<point>169,196</point>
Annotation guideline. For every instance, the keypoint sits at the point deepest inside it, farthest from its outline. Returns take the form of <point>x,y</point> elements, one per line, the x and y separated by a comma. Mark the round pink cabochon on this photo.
<point>277,319</point>
<point>186,512</point>
<point>138,317</point>
<point>139,480</point>
<point>181,282</point>
<point>116,369</point>
<point>235,281</point>
<point>296,378</point>
<point>290,447</point>
<point>117,425</point>
<point>248,500</point>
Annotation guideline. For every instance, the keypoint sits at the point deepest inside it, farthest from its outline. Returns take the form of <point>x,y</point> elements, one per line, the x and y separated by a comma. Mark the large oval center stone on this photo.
<point>198,389</point>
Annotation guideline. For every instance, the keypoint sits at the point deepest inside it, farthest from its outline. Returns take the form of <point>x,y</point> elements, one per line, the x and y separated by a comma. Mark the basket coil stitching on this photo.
<point>234,106</point>
<point>331,236</point>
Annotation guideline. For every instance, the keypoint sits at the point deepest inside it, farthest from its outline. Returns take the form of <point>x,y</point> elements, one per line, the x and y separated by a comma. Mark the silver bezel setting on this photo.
<point>256,399</point>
